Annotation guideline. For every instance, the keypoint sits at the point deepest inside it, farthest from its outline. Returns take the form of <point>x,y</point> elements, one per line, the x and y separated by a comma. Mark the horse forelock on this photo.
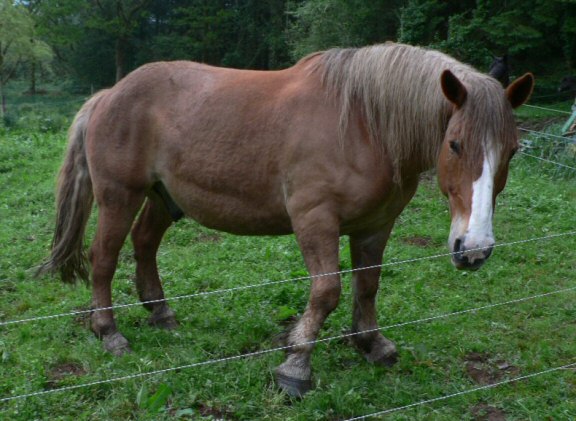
<point>398,89</point>
<point>488,119</point>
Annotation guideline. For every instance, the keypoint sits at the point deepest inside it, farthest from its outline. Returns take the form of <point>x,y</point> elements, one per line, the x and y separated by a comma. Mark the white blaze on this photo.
<point>477,232</point>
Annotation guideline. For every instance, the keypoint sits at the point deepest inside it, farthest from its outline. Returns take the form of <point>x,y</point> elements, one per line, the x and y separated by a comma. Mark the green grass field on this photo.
<point>437,358</point>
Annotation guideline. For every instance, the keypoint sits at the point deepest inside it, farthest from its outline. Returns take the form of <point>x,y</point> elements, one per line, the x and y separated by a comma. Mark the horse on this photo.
<point>567,84</point>
<point>500,70</point>
<point>332,146</point>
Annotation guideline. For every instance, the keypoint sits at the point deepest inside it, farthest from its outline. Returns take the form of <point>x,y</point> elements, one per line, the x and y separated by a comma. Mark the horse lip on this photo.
<point>464,265</point>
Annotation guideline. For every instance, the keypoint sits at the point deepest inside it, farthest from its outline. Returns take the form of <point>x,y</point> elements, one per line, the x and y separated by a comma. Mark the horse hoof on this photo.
<point>387,361</point>
<point>116,344</point>
<point>168,323</point>
<point>379,351</point>
<point>293,387</point>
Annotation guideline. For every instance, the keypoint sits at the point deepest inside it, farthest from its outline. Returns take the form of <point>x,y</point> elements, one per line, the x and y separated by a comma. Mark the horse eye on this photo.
<point>455,147</point>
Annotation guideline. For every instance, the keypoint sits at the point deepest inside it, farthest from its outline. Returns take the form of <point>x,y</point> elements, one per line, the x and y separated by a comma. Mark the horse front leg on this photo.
<point>367,251</point>
<point>317,233</point>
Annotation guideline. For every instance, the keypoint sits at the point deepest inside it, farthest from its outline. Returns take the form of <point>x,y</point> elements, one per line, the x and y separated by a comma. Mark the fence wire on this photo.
<point>548,160</point>
<point>548,135</point>
<point>264,284</point>
<point>286,347</point>
<point>283,348</point>
<point>464,392</point>
<point>548,109</point>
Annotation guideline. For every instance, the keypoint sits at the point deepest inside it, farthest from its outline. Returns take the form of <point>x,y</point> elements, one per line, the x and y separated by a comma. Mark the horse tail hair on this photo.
<point>74,199</point>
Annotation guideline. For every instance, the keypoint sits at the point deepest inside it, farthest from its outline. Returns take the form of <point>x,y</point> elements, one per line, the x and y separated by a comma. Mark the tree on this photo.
<point>18,44</point>
<point>539,35</point>
<point>239,33</point>
<point>120,19</point>
<point>320,24</point>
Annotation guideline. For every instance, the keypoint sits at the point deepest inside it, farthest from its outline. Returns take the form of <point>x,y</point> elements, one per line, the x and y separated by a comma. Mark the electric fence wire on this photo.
<point>262,352</point>
<point>463,392</point>
<point>283,348</point>
<point>549,135</point>
<point>264,284</point>
<point>547,109</point>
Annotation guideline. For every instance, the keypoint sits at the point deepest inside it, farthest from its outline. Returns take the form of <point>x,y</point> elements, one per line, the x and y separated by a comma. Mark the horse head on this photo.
<point>500,70</point>
<point>480,140</point>
<point>567,84</point>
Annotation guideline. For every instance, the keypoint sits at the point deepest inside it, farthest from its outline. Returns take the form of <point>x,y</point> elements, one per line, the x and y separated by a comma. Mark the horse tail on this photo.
<point>74,199</point>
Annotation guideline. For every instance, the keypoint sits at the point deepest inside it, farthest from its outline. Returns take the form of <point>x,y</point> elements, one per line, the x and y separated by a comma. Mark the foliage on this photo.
<point>18,44</point>
<point>533,32</point>
<point>321,24</point>
<point>98,41</point>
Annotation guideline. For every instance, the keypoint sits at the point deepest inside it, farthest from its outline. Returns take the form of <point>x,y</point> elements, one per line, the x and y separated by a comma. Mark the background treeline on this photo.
<point>93,43</point>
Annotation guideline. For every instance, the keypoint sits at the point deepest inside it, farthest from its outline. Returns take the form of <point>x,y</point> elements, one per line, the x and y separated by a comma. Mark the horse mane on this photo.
<point>398,89</point>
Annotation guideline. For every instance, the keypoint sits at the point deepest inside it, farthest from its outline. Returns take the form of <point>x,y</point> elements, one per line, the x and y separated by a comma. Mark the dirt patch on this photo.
<point>419,241</point>
<point>485,412</point>
<point>215,413</point>
<point>82,319</point>
<point>61,371</point>
<point>484,370</point>
<point>208,238</point>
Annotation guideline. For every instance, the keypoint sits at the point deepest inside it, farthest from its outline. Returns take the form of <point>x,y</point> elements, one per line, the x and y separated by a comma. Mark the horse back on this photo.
<point>231,146</point>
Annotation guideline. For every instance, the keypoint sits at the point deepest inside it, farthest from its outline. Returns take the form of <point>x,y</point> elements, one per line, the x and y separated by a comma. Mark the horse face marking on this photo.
<point>475,245</point>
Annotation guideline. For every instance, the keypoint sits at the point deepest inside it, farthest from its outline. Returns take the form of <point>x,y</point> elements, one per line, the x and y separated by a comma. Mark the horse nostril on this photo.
<point>457,245</point>
<point>459,251</point>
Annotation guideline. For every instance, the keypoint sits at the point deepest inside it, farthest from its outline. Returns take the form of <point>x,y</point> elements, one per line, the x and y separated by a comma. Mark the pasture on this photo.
<point>437,357</point>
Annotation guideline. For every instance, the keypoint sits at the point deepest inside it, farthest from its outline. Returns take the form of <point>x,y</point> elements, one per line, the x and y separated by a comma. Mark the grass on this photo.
<point>437,358</point>
<point>49,112</point>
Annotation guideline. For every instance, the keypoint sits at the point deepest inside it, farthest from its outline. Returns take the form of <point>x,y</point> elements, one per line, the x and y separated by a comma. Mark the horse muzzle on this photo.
<point>470,258</point>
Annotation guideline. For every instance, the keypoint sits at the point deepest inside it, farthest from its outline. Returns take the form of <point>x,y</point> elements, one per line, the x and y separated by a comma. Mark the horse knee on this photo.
<point>325,294</point>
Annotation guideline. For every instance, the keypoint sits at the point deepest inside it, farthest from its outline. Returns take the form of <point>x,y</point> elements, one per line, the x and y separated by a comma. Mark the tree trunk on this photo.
<point>2,99</point>
<point>32,90</point>
<point>2,104</point>
<point>121,47</point>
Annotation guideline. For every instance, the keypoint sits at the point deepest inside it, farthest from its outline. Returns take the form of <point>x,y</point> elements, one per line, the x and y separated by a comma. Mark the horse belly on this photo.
<point>224,208</point>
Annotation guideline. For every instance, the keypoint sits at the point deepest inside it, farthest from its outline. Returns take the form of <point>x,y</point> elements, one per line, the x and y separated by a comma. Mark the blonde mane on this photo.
<point>398,89</point>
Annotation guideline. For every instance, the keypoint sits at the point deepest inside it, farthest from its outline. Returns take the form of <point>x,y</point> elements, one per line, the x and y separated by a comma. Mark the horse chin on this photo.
<point>467,266</point>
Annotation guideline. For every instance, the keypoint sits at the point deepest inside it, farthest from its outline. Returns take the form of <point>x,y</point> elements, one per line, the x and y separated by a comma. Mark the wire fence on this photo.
<point>549,161</point>
<point>463,392</point>
<point>265,284</point>
<point>287,347</point>
<point>547,109</point>
<point>546,135</point>
<point>332,338</point>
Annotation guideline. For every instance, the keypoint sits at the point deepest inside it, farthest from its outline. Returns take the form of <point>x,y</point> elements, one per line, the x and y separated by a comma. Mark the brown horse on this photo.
<point>332,146</point>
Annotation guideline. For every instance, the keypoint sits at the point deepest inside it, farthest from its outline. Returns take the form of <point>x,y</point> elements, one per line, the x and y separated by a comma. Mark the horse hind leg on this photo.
<point>366,252</point>
<point>147,234</point>
<point>117,209</point>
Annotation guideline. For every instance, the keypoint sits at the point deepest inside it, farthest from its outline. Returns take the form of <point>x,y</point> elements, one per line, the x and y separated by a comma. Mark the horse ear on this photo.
<point>520,90</point>
<point>453,89</point>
